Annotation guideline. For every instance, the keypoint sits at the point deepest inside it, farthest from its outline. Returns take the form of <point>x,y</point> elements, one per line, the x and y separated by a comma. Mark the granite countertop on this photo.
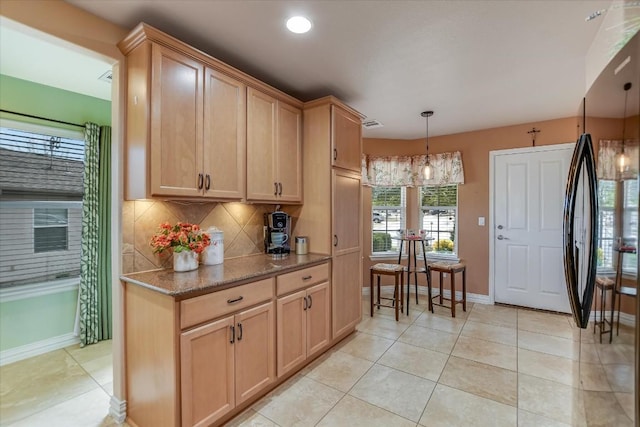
<point>210,278</point>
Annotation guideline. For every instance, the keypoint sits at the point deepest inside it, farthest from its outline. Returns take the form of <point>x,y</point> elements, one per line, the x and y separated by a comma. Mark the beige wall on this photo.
<point>473,195</point>
<point>66,22</point>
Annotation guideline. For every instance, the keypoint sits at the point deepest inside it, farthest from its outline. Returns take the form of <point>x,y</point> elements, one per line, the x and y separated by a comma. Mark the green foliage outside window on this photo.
<point>381,242</point>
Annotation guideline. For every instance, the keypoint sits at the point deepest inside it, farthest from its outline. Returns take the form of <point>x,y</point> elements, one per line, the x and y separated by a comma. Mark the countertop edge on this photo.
<point>220,285</point>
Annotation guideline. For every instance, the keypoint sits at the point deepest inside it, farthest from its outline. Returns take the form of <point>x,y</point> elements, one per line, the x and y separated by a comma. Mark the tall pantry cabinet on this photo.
<point>331,214</point>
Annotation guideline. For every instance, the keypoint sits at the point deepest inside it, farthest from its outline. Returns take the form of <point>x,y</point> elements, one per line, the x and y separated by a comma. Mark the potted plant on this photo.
<point>185,240</point>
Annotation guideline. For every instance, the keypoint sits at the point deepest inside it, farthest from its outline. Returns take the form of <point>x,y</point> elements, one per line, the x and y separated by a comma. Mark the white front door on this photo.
<point>528,196</point>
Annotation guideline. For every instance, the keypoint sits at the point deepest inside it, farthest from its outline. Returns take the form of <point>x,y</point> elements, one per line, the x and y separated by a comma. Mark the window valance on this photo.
<point>399,171</point>
<point>608,152</point>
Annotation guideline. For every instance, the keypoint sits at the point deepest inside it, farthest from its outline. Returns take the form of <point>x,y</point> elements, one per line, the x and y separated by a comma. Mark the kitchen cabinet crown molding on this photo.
<point>332,100</point>
<point>143,32</point>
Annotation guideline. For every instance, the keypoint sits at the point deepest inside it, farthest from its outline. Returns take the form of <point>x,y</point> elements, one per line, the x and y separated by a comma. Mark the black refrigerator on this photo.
<point>614,98</point>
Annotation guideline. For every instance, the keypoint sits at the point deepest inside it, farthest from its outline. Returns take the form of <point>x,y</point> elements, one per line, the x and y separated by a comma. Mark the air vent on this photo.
<point>371,124</point>
<point>106,77</point>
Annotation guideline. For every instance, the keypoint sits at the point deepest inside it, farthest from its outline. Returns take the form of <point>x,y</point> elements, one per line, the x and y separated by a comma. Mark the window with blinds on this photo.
<point>606,223</point>
<point>388,218</point>
<point>630,224</point>
<point>439,218</point>
<point>613,208</point>
<point>41,185</point>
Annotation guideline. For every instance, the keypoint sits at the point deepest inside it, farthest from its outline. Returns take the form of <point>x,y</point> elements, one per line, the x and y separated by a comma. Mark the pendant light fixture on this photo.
<point>623,159</point>
<point>428,169</point>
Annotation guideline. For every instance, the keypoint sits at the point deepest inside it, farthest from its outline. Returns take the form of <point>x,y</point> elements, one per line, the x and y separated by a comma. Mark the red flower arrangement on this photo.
<point>180,237</point>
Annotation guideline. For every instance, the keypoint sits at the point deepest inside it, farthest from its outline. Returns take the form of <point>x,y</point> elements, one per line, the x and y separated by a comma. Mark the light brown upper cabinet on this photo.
<point>186,126</point>
<point>196,128</point>
<point>224,136</point>
<point>274,149</point>
<point>345,134</point>
<point>176,124</point>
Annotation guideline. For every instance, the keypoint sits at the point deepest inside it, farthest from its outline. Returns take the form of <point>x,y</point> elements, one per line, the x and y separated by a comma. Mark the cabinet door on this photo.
<point>346,218</point>
<point>318,318</point>
<point>346,139</point>
<point>176,124</point>
<point>346,286</point>
<point>291,331</point>
<point>289,154</point>
<point>207,373</point>
<point>224,136</point>
<point>255,350</point>
<point>261,146</point>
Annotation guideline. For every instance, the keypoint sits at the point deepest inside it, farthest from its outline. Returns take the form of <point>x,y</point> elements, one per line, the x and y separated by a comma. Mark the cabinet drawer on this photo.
<point>216,304</point>
<point>300,279</point>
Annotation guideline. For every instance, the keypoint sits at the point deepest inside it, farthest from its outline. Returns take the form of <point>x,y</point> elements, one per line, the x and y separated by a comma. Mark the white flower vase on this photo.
<point>185,261</point>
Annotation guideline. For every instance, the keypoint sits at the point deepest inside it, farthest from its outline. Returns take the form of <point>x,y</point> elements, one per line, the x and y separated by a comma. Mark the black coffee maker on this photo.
<point>277,233</point>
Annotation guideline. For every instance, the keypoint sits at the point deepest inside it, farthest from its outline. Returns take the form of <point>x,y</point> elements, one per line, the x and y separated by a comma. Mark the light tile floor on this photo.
<point>491,366</point>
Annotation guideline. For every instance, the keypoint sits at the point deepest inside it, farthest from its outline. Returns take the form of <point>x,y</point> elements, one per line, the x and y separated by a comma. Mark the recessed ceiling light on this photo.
<point>298,24</point>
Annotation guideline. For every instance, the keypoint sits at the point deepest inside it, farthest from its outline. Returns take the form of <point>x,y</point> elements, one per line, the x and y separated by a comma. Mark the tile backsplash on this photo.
<point>241,223</point>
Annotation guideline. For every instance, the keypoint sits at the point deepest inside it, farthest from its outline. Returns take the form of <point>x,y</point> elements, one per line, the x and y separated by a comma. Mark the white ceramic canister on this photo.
<point>214,253</point>
<point>302,245</point>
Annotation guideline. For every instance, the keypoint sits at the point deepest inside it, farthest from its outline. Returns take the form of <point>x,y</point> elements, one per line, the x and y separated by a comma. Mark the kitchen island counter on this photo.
<point>211,278</point>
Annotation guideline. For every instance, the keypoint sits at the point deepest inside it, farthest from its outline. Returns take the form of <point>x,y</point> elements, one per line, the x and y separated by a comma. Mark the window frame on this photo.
<point>612,210</point>
<point>41,287</point>
<point>402,221</point>
<point>431,255</point>
<point>627,212</point>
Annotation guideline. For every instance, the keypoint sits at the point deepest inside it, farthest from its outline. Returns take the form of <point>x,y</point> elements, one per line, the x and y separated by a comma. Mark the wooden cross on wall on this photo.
<point>533,133</point>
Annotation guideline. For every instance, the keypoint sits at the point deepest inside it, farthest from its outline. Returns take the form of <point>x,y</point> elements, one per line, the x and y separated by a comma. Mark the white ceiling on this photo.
<point>477,64</point>
<point>30,55</point>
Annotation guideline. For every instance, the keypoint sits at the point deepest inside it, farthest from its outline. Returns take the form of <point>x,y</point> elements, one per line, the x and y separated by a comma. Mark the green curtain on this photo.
<point>95,269</point>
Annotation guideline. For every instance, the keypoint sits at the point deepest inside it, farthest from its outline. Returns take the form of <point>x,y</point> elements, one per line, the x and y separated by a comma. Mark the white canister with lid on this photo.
<point>302,245</point>
<point>214,253</point>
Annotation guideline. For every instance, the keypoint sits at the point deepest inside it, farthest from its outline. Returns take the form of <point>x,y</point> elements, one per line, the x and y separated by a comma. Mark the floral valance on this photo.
<point>608,153</point>
<point>398,171</point>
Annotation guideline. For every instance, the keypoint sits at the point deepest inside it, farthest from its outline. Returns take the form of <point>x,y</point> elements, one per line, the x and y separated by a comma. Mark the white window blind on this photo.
<point>41,185</point>
<point>439,218</point>
<point>388,218</point>
<point>606,223</point>
<point>630,224</point>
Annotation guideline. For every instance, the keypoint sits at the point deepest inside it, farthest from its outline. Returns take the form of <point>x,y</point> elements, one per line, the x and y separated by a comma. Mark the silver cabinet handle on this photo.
<point>335,240</point>
<point>305,304</point>
<point>233,334</point>
<point>335,154</point>
<point>234,300</point>
<point>307,277</point>
<point>310,301</point>
<point>280,189</point>
<point>239,331</point>
<point>275,188</point>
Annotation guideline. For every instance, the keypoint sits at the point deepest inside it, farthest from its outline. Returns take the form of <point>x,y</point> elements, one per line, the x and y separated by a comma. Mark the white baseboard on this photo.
<point>422,290</point>
<point>39,347</point>
<point>118,409</point>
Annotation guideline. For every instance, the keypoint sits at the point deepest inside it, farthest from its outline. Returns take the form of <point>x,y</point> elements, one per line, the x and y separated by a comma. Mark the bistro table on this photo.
<point>412,254</point>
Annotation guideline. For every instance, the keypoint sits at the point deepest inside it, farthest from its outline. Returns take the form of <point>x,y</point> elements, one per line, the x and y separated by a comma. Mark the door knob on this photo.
<point>501,237</point>
<point>500,227</point>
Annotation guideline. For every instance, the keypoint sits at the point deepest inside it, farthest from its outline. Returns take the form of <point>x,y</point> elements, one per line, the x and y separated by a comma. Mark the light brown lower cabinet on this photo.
<point>199,361</point>
<point>302,325</point>
<point>226,362</point>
